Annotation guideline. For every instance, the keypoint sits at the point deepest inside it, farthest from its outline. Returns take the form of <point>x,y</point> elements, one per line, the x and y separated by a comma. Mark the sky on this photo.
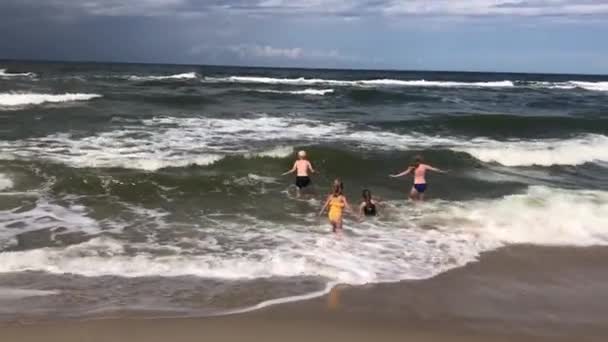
<point>560,36</point>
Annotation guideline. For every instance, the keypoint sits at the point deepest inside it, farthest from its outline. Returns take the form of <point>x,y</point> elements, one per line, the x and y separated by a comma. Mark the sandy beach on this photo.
<point>514,294</point>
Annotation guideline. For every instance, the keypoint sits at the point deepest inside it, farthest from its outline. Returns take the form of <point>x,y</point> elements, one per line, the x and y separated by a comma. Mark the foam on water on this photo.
<point>573,151</point>
<point>276,152</point>
<point>416,243</point>
<point>184,76</point>
<point>8,293</point>
<point>376,82</point>
<point>308,91</point>
<point>44,216</point>
<point>177,142</point>
<point>5,182</point>
<point>170,142</point>
<point>542,216</point>
<point>24,99</point>
<point>597,86</point>
<point>593,86</point>
<point>4,74</point>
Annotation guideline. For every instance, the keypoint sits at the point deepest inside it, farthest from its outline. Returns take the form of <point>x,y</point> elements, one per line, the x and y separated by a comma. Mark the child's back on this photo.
<point>302,167</point>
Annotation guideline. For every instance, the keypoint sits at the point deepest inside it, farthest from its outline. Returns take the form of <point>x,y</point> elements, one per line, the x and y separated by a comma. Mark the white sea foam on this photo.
<point>275,152</point>
<point>177,142</point>
<point>593,86</point>
<point>545,152</point>
<point>597,86</point>
<point>171,142</point>
<point>308,91</point>
<point>184,76</point>
<point>4,74</point>
<point>424,83</point>
<point>417,242</point>
<point>8,293</point>
<point>375,82</point>
<point>544,216</point>
<point>23,99</point>
<point>44,216</point>
<point>573,151</point>
<point>5,182</point>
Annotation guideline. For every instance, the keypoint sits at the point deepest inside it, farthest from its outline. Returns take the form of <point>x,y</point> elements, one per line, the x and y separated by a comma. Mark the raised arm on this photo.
<point>293,169</point>
<point>409,169</point>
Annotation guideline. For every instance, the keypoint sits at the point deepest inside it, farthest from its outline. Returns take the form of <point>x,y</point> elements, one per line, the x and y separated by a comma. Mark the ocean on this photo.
<point>157,188</point>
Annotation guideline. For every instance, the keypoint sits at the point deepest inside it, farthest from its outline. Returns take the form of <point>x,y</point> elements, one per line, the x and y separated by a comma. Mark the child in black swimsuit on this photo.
<point>368,206</point>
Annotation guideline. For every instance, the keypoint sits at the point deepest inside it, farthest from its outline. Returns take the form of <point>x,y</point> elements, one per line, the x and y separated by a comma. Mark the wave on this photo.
<point>23,99</point>
<point>177,142</point>
<point>371,83</point>
<point>4,74</point>
<point>275,152</point>
<point>543,152</point>
<point>412,245</point>
<point>5,182</point>
<point>168,142</point>
<point>44,215</point>
<point>573,151</point>
<point>593,86</point>
<point>597,86</point>
<point>308,91</point>
<point>502,125</point>
<point>8,293</point>
<point>183,76</point>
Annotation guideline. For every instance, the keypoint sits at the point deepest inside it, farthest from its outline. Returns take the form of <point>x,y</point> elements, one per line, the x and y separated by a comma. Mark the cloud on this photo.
<point>497,7</point>
<point>346,8</point>
<point>262,52</point>
<point>267,51</point>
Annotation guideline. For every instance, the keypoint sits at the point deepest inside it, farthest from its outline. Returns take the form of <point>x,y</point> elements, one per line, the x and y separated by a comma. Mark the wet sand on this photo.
<point>520,293</point>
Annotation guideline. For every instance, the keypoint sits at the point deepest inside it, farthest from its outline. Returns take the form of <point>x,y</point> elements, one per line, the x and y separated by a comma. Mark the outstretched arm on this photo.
<point>409,169</point>
<point>293,169</point>
<point>435,169</point>
<point>325,206</point>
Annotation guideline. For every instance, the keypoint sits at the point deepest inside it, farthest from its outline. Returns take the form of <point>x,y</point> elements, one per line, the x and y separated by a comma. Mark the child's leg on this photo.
<point>338,226</point>
<point>413,194</point>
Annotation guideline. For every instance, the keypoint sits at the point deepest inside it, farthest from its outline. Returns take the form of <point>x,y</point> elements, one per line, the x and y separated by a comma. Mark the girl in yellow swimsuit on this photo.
<point>336,203</point>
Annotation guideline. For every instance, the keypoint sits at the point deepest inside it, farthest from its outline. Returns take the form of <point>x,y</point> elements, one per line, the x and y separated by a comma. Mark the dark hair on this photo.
<point>337,189</point>
<point>367,196</point>
<point>338,182</point>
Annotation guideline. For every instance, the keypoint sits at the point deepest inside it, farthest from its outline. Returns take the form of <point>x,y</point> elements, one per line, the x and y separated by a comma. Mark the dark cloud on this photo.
<point>66,8</point>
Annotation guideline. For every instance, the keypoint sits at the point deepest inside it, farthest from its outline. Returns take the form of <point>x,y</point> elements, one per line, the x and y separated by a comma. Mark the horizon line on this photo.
<point>77,61</point>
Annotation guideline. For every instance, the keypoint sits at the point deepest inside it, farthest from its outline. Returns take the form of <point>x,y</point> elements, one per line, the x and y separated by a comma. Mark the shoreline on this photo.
<point>523,293</point>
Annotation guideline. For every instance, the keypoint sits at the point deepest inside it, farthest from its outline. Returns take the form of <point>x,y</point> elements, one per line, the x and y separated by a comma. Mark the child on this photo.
<point>419,169</point>
<point>368,206</point>
<point>301,166</point>
<point>336,202</point>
